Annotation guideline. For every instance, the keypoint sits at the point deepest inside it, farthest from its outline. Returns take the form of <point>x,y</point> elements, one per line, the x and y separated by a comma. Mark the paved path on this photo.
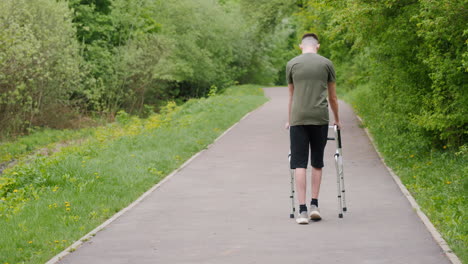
<point>231,205</point>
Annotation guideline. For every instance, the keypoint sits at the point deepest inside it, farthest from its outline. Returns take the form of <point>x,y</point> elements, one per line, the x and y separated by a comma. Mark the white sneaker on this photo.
<point>315,213</point>
<point>302,218</point>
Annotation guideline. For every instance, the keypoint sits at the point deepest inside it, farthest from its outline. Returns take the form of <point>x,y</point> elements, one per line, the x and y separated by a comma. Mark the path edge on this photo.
<point>422,216</point>
<point>73,247</point>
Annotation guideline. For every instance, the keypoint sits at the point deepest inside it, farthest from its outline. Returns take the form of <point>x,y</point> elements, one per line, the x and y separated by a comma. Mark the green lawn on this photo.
<point>52,201</point>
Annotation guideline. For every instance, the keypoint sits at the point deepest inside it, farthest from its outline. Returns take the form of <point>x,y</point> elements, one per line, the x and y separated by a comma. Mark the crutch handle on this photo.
<point>338,134</point>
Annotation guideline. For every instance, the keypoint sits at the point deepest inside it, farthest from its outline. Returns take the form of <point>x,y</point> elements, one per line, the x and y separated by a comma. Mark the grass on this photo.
<point>38,139</point>
<point>51,202</point>
<point>435,175</point>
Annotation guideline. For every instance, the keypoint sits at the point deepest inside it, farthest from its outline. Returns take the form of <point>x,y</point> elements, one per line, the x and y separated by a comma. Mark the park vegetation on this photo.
<point>69,64</point>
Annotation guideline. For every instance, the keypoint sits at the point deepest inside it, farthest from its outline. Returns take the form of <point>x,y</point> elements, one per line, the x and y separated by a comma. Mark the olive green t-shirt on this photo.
<point>310,73</point>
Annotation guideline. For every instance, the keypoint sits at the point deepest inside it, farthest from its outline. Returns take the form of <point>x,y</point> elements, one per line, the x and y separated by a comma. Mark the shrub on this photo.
<point>39,60</point>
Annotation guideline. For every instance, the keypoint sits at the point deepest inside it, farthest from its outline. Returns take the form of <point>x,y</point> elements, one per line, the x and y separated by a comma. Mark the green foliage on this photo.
<point>99,57</point>
<point>39,62</point>
<point>442,27</point>
<point>120,50</point>
<point>272,33</point>
<point>141,52</point>
<point>411,52</point>
<point>213,91</point>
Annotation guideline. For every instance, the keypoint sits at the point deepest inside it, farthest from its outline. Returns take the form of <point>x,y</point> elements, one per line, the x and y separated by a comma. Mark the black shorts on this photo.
<point>305,136</point>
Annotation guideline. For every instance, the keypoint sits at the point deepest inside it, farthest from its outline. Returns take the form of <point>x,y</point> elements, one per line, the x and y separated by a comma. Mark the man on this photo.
<point>311,78</point>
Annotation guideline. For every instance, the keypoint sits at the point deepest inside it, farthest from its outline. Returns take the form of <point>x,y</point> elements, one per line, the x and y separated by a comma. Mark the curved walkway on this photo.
<point>231,205</point>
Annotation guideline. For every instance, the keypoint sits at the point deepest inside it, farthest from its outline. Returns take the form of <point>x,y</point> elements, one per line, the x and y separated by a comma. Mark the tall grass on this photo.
<point>48,204</point>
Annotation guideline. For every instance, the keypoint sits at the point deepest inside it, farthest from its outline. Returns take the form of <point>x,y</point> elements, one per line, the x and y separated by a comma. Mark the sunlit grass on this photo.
<point>60,198</point>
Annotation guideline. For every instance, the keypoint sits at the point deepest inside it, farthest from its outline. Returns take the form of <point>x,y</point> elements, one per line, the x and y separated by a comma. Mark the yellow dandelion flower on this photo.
<point>411,156</point>
<point>55,189</point>
<point>30,242</point>
<point>68,209</point>
<point>448,182</point>
<point>15,190</point>
<point>444,147</point>
<point>56,241</point>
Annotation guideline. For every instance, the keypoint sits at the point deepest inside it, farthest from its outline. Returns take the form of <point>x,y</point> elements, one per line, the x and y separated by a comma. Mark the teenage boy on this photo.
<point>311,78</point>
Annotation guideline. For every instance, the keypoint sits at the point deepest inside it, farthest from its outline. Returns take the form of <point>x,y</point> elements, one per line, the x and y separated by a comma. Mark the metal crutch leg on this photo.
<point>291,215</point>
<point>338,184</point>
<point>337,167</point>
<point>343,196</point>
<point>340,167</point>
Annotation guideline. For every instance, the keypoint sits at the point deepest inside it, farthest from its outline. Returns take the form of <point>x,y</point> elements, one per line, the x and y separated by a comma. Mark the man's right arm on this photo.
<point>333,99</point>
<point>291,92</point>
<point>289,80</point>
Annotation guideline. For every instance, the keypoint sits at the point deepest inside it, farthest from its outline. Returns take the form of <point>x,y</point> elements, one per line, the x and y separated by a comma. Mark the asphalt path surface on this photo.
<point>231,205</point>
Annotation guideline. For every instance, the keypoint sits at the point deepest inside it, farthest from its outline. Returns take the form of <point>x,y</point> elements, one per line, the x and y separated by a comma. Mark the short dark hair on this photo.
<point>310,35</point>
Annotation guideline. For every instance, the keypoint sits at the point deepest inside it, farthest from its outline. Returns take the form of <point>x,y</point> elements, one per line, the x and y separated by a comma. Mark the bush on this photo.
<point>39,61</point>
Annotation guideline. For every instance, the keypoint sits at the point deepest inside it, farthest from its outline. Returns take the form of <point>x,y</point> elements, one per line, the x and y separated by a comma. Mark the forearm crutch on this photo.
<point>291,171</point>
<point>339,172</point>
